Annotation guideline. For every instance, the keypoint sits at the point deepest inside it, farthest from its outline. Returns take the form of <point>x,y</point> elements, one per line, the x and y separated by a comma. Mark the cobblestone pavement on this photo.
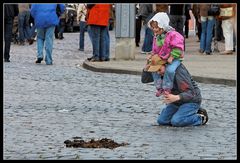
<point>46,105</point>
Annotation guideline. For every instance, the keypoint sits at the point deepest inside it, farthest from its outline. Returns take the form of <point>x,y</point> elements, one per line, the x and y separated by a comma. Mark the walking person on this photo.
<point>98,21</point>
<point>23,24</point>
<point>10,11</point>
<point>81,19</point>
<point>45,19</point>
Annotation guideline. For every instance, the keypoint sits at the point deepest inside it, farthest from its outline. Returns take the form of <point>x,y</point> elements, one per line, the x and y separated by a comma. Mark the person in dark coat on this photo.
<point>10,11</point>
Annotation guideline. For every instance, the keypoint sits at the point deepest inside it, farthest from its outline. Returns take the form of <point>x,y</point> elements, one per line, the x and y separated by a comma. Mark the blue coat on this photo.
<point>45,14</point>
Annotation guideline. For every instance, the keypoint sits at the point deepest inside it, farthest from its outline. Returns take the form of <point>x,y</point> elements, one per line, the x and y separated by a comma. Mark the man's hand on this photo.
<point>170,98</point>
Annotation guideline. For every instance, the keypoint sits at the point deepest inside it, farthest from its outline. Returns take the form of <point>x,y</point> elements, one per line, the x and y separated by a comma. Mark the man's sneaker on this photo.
<point>203,113</point>
<point>39,60</point>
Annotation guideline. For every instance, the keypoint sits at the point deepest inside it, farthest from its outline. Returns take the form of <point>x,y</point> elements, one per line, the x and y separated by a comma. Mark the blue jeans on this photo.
<point>207,33</point>
<point>99,36</point>
<point>82,27</point>
<point>170,73</point>
<point>179,116</point>
<point>8,25</point>
<point>148,40</point>
<point>45,36</point>
<point>23,26</point>
<point>167,82</point>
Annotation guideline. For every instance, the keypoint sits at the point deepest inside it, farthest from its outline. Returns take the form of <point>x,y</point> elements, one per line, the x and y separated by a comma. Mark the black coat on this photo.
<point>10,10</point>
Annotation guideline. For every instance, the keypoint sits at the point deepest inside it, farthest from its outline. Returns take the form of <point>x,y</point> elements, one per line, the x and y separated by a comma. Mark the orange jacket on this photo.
<point>99,15</point>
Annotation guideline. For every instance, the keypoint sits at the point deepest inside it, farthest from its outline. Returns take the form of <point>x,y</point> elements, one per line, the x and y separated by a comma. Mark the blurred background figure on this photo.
<point>10,11</point>
<point>81,18</point>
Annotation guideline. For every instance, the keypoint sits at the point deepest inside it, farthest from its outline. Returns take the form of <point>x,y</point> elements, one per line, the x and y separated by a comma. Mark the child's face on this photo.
<point>155,28</point>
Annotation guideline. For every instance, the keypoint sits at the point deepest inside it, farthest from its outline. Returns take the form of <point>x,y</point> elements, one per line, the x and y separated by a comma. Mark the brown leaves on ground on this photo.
<point>102,143</point>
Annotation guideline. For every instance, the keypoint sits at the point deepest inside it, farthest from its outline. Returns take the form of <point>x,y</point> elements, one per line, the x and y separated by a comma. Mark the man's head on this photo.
<point>155,64</point>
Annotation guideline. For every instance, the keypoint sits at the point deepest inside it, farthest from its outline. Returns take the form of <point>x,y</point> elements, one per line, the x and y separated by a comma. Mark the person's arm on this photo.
<point>184,84</point>
<point>62,8</point>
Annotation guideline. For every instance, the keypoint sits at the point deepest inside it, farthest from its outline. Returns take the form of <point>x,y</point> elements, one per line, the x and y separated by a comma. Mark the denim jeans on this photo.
<point>82,27</point>
<point>157,80</point>
<point>169,74</point>
<point>167,82</point>
<point>23,26</point>
<point>8,25</point>
<point>179,116</point>
<point>99,36</point>
<point>45,37</point>
<point>148,40</point>
<point>207,33</point>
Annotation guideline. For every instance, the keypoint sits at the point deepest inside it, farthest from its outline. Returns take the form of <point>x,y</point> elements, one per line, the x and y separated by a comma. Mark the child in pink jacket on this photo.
<point>168,44</point>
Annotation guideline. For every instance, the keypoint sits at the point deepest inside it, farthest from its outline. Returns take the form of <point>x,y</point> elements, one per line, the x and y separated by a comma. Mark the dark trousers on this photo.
<point>186,28</point>
<point>138,30</point>
<point>8,25</point>
<point>199,28</point>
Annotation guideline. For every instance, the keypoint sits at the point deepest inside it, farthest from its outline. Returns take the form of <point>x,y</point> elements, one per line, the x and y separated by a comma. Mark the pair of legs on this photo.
<point>82,27</point>
<point>207,33</point>
<point>45,38</point>
<point>180,116</point>
<point>99,36</point>
<point>165,83</point>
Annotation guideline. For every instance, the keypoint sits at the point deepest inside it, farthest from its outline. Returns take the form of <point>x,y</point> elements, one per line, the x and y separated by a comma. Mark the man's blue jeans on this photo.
<point>100,41</point>
<point>82,28</point>
<point>45,37</point>
<point>179,116</point>
<point>23,26</point>
<point>207,33</point>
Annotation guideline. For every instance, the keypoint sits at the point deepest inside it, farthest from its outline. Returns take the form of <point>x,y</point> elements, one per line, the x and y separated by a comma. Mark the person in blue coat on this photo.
<point>46,19</point>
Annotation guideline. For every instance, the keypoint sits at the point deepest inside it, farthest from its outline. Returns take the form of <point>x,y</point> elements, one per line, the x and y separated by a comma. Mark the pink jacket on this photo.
<point>172,40</point>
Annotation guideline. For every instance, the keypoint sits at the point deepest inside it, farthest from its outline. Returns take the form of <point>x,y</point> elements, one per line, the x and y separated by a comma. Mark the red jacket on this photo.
<point>99,15</point>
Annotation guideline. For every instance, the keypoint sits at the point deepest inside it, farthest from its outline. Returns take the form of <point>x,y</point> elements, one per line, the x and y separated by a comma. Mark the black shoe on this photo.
<point>6,60</point>
<point>201,51</point>
<point>30,41</point>
<point>203,113</point>
<point>208,53</point>
<point>39,60</point>
<point>94,60</point>
<point>105,59</point>
<point>89,58</point>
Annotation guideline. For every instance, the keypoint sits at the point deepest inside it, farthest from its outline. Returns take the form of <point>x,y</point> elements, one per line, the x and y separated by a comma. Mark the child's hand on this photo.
<point>170,59</point>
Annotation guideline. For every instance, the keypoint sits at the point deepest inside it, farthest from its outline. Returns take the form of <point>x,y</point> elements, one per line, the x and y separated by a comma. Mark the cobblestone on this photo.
<point>45,105</point>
